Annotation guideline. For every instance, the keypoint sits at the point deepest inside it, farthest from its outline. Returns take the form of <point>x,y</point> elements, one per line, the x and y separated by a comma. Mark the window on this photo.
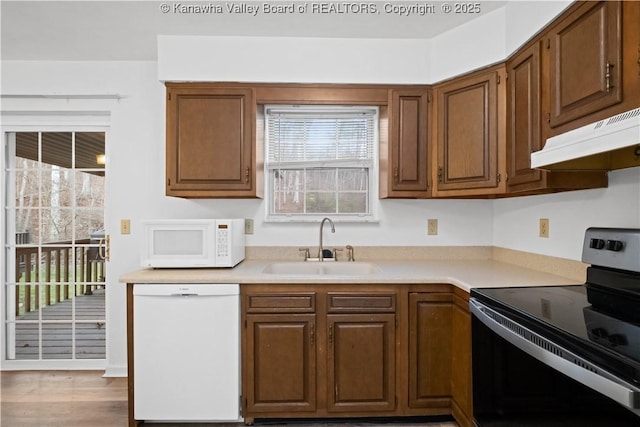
<point>321,161</point>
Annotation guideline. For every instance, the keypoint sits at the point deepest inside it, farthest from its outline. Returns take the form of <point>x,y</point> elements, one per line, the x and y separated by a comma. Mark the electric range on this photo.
<point>576,347</point>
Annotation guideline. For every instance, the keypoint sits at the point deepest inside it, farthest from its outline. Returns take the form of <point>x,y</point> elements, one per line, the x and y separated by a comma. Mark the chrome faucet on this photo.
<point>320,248</point>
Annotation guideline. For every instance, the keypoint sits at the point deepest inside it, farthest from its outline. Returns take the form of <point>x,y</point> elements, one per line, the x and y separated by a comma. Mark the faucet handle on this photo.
<point>307,255</point>
<point>350,256</point>
<point>335,253</point>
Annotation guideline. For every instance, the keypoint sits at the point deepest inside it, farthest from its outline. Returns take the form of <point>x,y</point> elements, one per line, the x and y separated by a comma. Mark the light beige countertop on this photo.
<point>465,274</point>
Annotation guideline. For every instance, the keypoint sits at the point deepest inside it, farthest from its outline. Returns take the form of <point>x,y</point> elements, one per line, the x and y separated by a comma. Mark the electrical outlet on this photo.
<point>125,226</point>
<point>432,227</point>
<point>248,226</point>
<point>544,227</point>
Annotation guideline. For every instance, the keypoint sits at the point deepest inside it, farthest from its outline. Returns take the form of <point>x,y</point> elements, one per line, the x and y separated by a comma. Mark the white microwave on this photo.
<point>192,243</point>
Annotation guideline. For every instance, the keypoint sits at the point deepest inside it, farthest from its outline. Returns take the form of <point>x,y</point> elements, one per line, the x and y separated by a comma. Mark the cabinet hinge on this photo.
<point>429,97</point>
<point>168,96</point>
<point>548,43</point>
<point>169,182</point>
<point>506,177</point>
<point>498,77</point>
<point>396,323</point>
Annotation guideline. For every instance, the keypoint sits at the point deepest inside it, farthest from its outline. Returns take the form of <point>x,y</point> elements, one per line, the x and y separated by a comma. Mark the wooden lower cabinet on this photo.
<point>361,362</point>
<point>281,348</point>
<point>429,349</point>
<point>364,350</point>
<point>461,372</point>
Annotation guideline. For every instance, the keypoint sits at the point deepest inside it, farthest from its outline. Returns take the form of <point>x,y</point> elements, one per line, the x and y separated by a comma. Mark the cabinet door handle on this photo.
<point>608,76</point>
<point>330,334</point>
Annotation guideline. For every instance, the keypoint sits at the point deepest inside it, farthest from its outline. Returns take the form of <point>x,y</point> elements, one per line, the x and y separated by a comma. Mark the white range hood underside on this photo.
<point>608,144</point>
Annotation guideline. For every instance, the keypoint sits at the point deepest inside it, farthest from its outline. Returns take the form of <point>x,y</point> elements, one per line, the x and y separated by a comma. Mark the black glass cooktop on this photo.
<point>564,315</point>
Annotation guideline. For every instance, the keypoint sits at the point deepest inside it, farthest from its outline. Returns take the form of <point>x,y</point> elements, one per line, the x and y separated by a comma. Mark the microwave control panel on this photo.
<point>222,240</point>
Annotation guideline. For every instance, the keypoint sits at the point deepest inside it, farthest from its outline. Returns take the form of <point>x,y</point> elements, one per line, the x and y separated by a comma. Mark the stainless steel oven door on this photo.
<point>506,354</point>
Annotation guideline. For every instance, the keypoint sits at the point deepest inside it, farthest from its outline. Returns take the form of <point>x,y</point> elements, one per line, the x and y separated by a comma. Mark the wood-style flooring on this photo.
<point>86,399</point>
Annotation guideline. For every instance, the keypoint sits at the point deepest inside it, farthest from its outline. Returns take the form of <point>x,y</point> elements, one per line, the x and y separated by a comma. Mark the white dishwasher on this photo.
<point>186,352</point>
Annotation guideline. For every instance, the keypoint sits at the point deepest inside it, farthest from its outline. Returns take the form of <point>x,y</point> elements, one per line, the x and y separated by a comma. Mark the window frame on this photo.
<point>372,169</point>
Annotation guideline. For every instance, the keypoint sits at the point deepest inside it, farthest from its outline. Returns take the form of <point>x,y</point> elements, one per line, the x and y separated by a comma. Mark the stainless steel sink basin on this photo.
<point>329,268</point>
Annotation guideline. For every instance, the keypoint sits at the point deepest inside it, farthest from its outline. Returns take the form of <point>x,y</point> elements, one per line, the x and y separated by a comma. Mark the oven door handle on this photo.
<point>559,358</point>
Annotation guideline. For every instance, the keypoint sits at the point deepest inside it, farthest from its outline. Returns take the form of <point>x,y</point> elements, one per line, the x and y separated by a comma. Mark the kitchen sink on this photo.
<point>328,268</point>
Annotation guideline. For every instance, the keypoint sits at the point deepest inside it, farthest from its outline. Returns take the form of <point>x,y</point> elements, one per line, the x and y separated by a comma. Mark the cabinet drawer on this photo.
<point>304,302</point>
<point>362,303</point>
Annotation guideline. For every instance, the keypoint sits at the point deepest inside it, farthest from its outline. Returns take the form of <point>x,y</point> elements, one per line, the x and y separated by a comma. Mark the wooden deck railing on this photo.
<point>51,270</point>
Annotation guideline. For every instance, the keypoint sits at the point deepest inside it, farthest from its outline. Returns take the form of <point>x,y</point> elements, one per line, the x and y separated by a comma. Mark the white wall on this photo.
<point>515,220</point>
<point>292,59</point>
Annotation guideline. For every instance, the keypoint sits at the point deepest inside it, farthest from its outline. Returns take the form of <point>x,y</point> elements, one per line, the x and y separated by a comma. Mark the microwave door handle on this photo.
<point>184,294</point>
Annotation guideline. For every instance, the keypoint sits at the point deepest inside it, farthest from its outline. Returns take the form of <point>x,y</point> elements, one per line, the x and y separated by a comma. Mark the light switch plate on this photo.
<point>125,226</point>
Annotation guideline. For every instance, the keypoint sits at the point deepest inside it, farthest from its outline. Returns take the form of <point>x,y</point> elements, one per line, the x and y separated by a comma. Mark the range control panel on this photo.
<point>612,247</point>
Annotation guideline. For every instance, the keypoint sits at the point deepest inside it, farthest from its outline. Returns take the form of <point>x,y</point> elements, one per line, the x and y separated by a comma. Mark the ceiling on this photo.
<point>127,30</point>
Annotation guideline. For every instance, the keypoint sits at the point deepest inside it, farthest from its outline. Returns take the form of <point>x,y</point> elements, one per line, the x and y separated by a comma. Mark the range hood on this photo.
<point>608,144</point>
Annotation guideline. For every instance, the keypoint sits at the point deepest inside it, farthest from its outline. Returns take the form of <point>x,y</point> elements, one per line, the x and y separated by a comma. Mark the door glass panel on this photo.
<point>57,340</point>
<point>57,226</point>
<point>57,187</point>
<point>55,280</point>
<point>90,151</point>
<point>57,148</point>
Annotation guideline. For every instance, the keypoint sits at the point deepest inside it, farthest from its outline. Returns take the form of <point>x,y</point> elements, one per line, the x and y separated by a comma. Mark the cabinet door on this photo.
<point>408,147</point>
<point>524,126</point>
<point>468,133</point>
<point>210,142</point>
<point>585,56</point>
<point>461,375</point>
<point>429,349</point>
<point>280,363</point>
<point>361,362</point>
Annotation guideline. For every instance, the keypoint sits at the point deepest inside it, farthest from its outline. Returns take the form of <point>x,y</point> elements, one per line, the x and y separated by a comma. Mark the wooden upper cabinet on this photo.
<point>211,141</point>
<point>586,61</point>
<point>524,125</point>
<point>524,131</point>
<point>470,134</point>
<point>407,159</point>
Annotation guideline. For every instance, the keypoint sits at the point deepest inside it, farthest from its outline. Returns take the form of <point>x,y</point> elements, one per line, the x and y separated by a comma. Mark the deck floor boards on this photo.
<point>57,337</point>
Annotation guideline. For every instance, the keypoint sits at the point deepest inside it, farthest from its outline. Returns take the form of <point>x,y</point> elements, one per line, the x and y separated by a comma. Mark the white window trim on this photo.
<point>372,217</point>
